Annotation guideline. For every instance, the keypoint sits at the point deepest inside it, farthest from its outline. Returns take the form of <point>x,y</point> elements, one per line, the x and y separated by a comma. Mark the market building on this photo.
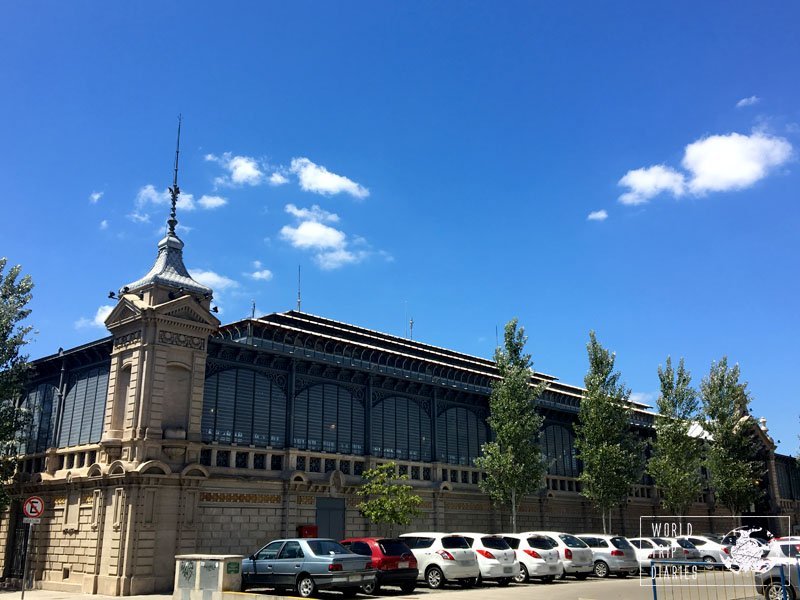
<point>177,434</point>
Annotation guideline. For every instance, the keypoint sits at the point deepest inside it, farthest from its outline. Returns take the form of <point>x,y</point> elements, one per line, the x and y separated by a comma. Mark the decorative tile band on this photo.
<point>240,498</point>
<point>179,339</point>
<point>305,500</point>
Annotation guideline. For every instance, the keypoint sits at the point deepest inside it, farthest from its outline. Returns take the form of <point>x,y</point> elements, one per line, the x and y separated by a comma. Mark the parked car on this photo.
<point>575,555</point>
<point>392,559</point>
<point>611,554</point>
<point>783,552</point>
<point>306,565</point>
<point>648,549</point>
<point>443,557</point>
<point>537,556</point>
<point>496,559</point>
<point>711,551</point>
<point>756,534</point>
<point>683,549</point>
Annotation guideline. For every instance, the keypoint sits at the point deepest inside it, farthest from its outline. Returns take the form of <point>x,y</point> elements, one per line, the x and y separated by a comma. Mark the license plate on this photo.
<point>402,565</point>
<point>507,569</point>
<point>354,578</point>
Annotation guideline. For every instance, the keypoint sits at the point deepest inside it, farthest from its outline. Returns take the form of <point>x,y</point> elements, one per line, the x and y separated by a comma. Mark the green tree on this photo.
<point>388,501</point>
<point>732,454</point>
<point>677,457</point>
<point>606,444</point>
<point>513,460</point>
<point>15,293</point>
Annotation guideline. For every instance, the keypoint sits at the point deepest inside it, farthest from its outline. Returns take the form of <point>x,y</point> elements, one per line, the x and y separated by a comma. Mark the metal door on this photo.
<point>330,517</point>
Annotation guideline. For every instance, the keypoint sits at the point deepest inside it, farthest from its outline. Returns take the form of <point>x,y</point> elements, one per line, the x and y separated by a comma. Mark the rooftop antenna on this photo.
<point>253,309</point>
<point>250,322</point>
<point>411,328</point>
<point>175,191</point>
<point>299,302</point>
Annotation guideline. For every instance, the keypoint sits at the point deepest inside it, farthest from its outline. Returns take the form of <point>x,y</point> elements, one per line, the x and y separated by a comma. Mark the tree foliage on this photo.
<point>388,501</point>
<point>15,293</point>
<point>610,451</point>
<point>513,460</point>
<point>677,458</point>
<point>732,455</point>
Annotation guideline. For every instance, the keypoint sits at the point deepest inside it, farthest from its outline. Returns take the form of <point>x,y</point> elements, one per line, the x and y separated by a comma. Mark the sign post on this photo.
<point>32,508</point>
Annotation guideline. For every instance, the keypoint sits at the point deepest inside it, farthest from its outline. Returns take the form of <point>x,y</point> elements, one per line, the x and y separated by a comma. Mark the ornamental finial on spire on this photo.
<point>175,191</point>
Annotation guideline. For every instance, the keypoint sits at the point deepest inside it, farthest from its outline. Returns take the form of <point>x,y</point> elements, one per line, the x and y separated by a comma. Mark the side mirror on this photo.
<point>252,557</point>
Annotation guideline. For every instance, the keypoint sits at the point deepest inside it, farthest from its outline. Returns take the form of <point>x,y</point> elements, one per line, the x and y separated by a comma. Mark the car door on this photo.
<point>262,565</point>
<point>289,563</point>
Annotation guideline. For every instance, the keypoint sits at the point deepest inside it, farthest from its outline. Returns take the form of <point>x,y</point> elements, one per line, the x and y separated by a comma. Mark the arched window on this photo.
<point>460,435</point>
<point>42,404</point>
<point>401,429</point>
<point>558,446</point>
<point>327,418</point>
<point>242,406</point>
<point>84,407</point>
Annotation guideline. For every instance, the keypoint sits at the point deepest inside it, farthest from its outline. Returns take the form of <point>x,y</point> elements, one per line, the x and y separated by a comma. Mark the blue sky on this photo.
<point>626,167</point>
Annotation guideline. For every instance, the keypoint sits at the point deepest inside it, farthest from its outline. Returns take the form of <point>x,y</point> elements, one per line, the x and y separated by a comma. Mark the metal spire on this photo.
<point>175,191</point>
<point>298,288</point>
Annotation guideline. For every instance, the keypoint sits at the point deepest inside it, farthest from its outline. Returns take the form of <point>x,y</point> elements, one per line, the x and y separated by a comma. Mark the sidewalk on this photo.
<point>51,595</point>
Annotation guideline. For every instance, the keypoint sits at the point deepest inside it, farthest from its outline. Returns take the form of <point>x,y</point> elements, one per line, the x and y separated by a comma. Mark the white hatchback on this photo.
<point>710,549</point>
<point>443,557</point>
<point>537,555</point>
<point>648,549</point>
<point>575,555</point>
<point>496,559</point>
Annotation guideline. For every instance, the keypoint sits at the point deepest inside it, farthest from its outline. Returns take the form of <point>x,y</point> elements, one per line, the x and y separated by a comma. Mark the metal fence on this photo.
<point>684,580</point>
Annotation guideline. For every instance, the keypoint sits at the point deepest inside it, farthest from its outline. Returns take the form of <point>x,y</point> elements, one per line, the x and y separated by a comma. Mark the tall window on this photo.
<point>401,429</point>
<point>327,418</point>
<point>460,435</point>
<point>84,407</point>
<point>242,406</point>
<point>558,446</point>
<point>41,402</point>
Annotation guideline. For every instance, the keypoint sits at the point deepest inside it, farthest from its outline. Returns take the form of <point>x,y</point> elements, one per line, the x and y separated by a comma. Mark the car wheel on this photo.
<point>710,562</point>
<point>407,588</point>
<point>504,581</point>
<point>434,577</point>
<point>601,569</point>
<point>775,592</point>
<point>305,586</point>
<point>371,588</point>
<point>523,576</point>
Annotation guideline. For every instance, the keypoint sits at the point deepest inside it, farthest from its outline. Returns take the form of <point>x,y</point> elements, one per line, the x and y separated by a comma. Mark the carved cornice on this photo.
<point>128,339</point>
<point>179,339</point>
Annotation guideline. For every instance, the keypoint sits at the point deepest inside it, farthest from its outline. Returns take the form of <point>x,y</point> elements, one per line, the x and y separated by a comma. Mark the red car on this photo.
<point>391,558</point>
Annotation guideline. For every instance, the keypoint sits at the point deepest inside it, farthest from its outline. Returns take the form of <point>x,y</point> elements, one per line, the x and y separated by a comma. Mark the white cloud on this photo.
<point>210,202</point>
<point>97,321</point>
<point>598,215</point>
<point>316,178</point>
<point>648,182</point>
<point>278,179</point>
<point>217,282</point>
<point>311,234</point>
<point>748,101</point>
<point>139,217</point>
<point>644,397</point>
<point>149,195</point>
<point>315,213</point>
<point>104,224</point>
<point>242,170</point>
<point>94,197</point>
<point>734,161</point>
<point>261,275</point>
<point>333,259</point>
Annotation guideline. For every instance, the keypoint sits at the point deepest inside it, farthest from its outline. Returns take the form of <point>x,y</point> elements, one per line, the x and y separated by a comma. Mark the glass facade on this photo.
<point>84,407</point>
<point>558,446</point>
<point>41,404</point>
<point>401,429</point>
<point>460,435</point>
<point>327,418</point>
<point>243,406</point>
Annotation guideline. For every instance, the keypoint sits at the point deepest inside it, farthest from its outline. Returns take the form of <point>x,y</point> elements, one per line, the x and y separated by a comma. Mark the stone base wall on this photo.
<point>118,535</point>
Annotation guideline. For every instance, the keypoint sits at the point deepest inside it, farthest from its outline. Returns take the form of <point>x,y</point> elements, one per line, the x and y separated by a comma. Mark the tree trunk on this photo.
<point>603,513</point>
<point>513,511</point>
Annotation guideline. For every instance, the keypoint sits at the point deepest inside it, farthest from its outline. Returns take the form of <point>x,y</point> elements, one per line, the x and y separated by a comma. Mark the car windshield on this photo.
<point>661,541</point>
<point>684,543</point>
<point>326,547</point>
<point>571,541</point>
<point>454,541</point>
<point>495,543</point>
<point>791,550</point>
<point>393,547</point>
<point>418,542</point>
<point>540,543</point>
<point>512,542</point>
<point>621,543</point>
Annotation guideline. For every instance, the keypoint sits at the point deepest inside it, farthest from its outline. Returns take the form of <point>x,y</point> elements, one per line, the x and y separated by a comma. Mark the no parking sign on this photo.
<point>32,508</point>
